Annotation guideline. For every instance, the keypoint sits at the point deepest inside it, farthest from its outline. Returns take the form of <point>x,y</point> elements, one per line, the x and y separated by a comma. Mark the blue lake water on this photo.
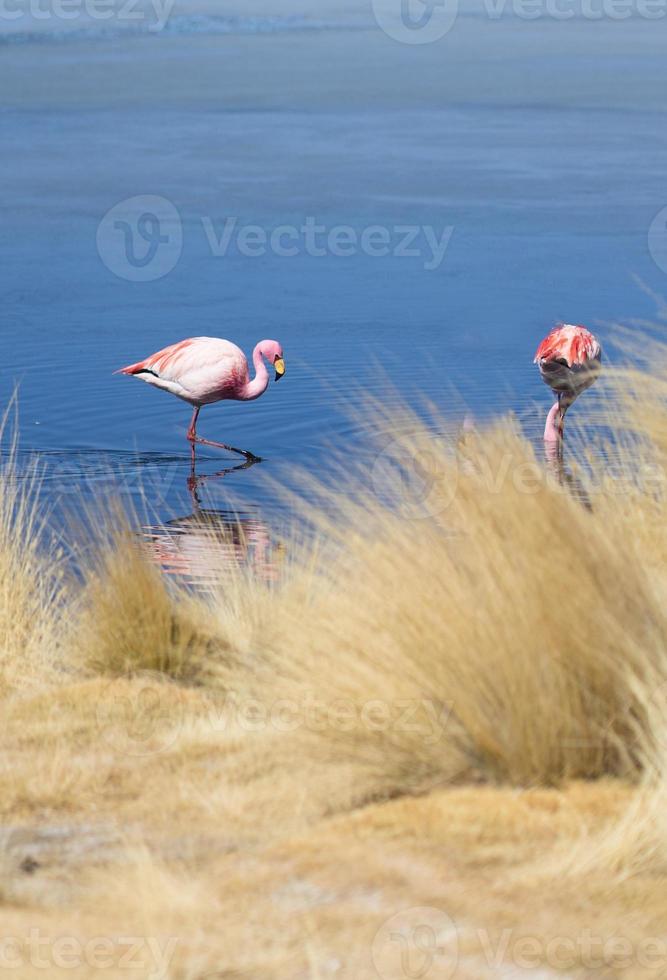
<point>529,158</point>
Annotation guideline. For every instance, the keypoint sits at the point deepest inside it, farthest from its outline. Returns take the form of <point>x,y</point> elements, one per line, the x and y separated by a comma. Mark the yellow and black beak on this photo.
<point>279,365</point>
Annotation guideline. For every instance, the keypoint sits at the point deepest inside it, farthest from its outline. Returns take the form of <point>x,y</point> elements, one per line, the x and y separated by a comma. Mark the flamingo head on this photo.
<point>272,352</point>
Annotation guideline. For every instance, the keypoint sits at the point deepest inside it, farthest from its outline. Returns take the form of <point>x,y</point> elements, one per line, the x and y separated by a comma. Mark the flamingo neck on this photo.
<point>553,430</point>
<point>259,383</point>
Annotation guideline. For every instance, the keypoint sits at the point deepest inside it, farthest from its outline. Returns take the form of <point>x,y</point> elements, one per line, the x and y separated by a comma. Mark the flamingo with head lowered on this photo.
<point>204,370</point>
<point>569,362</point>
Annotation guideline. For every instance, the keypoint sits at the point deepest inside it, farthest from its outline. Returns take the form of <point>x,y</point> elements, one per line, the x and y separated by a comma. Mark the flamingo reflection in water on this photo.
<point>206,546</point>
<point>554,456</point>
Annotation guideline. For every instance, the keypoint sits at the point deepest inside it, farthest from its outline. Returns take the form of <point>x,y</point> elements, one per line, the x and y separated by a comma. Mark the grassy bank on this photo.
<point>436,748</point>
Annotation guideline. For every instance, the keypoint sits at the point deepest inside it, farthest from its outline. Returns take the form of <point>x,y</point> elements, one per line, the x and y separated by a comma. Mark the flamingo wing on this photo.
<point>199,370</point>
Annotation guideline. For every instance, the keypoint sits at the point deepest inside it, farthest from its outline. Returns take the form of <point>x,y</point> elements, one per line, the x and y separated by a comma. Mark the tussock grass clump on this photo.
<point>128,620</point>
<point>32,579</point>
<point>514,634</point>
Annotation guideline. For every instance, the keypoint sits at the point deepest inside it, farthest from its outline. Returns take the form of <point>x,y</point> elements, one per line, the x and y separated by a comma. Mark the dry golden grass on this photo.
<point>127,621</point>
<point>436,748</point>
<point>31,578</point>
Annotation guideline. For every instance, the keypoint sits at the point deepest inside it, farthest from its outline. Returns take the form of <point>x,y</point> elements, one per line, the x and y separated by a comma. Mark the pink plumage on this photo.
<point>569,362</point>
<point>573,344</point>
<point>204,370</point>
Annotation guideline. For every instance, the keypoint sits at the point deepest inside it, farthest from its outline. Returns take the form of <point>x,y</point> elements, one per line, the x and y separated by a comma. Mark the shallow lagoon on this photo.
<point>515,145</point>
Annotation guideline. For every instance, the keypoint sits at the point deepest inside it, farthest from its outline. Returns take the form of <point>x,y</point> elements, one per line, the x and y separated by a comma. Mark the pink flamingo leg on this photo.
<point>194,438</point>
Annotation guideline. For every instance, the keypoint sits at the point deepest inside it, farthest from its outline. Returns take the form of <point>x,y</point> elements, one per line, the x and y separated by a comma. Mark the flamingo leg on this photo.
<point>192,431</point>
<point>194,438</point>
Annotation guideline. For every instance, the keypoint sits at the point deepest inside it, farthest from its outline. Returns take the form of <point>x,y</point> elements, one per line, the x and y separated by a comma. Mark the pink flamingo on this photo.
<point>204,370</point>
<point>569,362</point>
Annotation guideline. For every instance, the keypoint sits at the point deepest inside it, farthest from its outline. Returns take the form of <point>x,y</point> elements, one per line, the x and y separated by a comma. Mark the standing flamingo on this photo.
<point>569,362</point>
<point>204,370</point>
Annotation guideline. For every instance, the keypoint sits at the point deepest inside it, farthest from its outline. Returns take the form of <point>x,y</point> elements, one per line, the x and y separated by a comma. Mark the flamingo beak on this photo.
<point>279,365</point>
